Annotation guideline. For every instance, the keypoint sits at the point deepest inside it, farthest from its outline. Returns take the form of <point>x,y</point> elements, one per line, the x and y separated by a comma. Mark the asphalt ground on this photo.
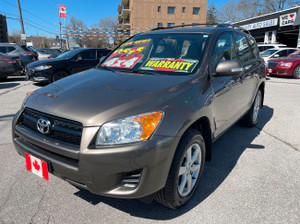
<point>254,175</point>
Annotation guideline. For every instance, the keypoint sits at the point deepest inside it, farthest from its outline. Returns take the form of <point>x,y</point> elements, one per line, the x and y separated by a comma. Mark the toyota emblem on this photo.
<point>44,125</point>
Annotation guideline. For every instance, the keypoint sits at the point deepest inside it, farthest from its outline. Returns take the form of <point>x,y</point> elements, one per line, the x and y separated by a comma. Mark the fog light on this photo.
<point>131,179</point>
<point>39,78</point>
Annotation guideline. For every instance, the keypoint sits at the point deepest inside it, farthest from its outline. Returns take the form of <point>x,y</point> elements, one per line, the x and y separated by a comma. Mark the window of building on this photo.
<point>196,11</point>
<point>158,8</point>
<point>195,25</point>
<point>159,25</point>
<point>183,24</point>
<point>171,10</point>
<point>183,9</point>
<point>171,24</point>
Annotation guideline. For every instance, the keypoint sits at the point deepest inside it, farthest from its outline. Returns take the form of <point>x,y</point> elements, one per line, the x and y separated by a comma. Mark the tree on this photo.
<point>109,24</point>
<point>212,14</point>
<point>229,12</point>
<point>77,25</point>
<point>15,37</point>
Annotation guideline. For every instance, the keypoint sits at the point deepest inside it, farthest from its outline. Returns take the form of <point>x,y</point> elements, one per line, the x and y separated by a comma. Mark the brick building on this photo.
<point>3,29</point>
<point>146,14</point>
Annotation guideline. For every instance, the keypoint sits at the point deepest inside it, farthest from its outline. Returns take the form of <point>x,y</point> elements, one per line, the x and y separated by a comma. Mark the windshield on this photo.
<point>159,53</point>
<point>267,53</point>
<point>68,54</point>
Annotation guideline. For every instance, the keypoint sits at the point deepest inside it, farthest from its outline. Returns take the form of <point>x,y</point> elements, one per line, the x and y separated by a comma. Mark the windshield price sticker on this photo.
<point>179,65</point>
<point>127,51</point>
<point>123,62</point>
<point>136,42</point>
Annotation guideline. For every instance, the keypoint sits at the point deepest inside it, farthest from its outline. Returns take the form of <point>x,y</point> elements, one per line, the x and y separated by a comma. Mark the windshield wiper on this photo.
<point>107,68</point>
<point>139,71</point>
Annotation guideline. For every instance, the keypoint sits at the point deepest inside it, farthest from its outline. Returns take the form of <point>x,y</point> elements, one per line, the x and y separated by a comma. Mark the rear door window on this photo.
<point>244,50</point>
<point>10,49</point>
<point>88,55</point>
<point>3,49</point>
<point>253,46</point>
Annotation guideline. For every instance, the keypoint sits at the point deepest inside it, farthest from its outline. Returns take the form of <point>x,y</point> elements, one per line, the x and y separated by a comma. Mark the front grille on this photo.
<point>272,65</point>
<point>61,129</point>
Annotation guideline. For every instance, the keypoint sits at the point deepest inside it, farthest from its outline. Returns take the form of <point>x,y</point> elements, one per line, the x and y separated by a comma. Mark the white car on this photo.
<point>263,47</point>
<point>276,53</point>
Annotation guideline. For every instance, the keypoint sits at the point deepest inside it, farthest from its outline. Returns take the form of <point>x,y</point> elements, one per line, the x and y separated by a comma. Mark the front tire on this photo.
<point>296,72</point>
<point>251,117</point>
<point>59,75</point>
<point>185,171</point>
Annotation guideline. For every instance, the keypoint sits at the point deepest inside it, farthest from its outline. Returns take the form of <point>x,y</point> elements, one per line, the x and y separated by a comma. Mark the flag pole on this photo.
<point>68,45</point>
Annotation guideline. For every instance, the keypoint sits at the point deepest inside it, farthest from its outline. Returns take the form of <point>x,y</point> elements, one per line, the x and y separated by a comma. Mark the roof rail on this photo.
<point>184,25</point>
<point>228,25</point>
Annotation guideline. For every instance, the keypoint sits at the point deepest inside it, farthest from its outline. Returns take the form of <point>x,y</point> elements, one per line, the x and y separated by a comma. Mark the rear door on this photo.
<point>252,65</point>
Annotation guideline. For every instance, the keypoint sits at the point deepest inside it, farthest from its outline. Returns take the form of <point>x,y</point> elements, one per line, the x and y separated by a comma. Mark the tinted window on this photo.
<point>243,48</point>
<point>101,53</point>
<point>88,55</point>
<point>3,49</point>
<point>291,51</point>
<point>224,50</point>
<point>253,46</point>
<point>10,49</point>
<point>282,53</point>
<point>24,48</point>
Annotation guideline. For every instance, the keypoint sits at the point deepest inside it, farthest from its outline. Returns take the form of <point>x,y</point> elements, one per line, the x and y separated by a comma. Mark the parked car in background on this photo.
<point>276,53</point>
<point>65,64</point>
<point>287,66</point>
<point>42,53</point>
<point>143,121</point>
<point>21,51</point>
<point>8,66</point>
<point>262,47</point>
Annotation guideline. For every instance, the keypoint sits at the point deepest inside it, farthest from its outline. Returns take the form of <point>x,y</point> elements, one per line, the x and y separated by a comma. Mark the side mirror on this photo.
<point>102,59</point>
<point>228,68</point>
<point>79,58</point>
<point>276,56</point>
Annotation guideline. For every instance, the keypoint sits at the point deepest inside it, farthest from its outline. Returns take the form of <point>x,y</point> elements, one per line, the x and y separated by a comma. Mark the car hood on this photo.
<point>288,59</point>
<point>44,62</point>
<point>97,96</point>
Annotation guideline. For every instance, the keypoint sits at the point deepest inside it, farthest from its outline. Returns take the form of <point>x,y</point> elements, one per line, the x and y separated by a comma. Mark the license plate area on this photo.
<point>37,166</point>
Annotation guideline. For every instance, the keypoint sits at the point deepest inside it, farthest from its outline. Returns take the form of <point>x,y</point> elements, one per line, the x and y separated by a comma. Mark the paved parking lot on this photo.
<point>254,176</point>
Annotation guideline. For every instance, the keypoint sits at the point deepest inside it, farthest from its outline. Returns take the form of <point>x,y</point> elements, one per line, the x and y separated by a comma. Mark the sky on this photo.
<point>41,16</point>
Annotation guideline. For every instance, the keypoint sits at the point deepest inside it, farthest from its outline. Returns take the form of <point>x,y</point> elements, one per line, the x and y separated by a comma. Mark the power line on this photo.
<point>28,12</point>
<point>8,17</point>
<point>42,27</point>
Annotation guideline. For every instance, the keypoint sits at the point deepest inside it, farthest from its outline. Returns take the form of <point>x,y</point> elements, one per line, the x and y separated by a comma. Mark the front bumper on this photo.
<point>101,171</point>
<point>281,71</point>
<point>43,76</point>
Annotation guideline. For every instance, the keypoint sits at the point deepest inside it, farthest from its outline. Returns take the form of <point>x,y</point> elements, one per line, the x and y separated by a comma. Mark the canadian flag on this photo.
<point>36,166</point>
<point>62,11</point>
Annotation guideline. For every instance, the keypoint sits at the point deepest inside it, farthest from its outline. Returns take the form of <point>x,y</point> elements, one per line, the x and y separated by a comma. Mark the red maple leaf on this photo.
<point>36,165</point>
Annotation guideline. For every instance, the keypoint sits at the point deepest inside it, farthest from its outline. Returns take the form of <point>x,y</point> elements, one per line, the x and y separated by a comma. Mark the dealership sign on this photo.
<point>288,19</point>
<point>262,24</point>
<point>62,11</point>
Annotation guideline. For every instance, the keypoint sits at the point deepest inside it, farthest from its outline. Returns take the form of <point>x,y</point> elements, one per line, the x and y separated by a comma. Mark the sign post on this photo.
<point>63,14</point>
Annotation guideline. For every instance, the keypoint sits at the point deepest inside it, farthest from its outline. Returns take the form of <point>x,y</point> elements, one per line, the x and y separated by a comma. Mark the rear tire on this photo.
<point>296,72</point>
<point>250,119</point>
<point>185,171</point>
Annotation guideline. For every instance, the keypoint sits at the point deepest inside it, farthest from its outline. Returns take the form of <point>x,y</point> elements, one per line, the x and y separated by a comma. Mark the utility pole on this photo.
<point>21,19</point>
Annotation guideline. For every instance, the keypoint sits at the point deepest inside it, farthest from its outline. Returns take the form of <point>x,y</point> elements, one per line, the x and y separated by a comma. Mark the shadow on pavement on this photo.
<point>6,117</point>
<point>226,152</point>
<point>8,85</point>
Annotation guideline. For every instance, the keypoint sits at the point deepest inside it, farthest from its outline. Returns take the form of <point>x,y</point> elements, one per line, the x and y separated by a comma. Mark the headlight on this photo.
<point>42,67</point>
<point>286,65</point>
<point>130,129</point>
<point>26,98</point>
